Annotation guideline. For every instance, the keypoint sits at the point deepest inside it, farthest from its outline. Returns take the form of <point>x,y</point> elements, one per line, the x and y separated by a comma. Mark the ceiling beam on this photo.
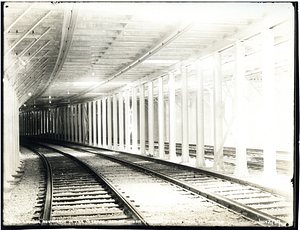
<point>26,33</point>
<point>27,48</point>
<point>25,12</point>
<point>69,24</point>
<point>160,45</point>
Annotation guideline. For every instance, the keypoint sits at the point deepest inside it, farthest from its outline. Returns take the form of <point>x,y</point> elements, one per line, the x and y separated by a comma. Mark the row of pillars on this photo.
<point>97,123</point>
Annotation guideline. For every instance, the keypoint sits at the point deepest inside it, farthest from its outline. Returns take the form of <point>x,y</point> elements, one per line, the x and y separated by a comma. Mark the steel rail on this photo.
<point>136,214</point>
<point>49,191</point>
<point>228,203</point>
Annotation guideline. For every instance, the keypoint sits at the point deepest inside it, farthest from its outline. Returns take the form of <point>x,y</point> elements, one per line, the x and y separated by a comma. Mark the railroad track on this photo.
<point>75,194</point>
<point>259,203</point>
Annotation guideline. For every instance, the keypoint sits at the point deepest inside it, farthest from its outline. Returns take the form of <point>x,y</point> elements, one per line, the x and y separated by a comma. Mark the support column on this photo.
<point>65,122</point>
<point>104,121</point>
<point>94,124</point>
<point>74,124</point>
<point>57,129</point>
<point>90,123</point>
<point>172,119</point>
<point>127,118</point>
<point>200,161</point>
<point>142,119</point>
<point>121,123</point>
<point>218,107</point>
<point>269,109</point>
<point>79,124</point>
<point>68,123</point>
<point>42,123</point>
<point>161,118</point>
<point>134,120</point>
<point>184,116</point>
<point>115,121</point>
<point>99,122</point>
<point>150,118</point>
<point>109,126</point>
<point>239,109</point>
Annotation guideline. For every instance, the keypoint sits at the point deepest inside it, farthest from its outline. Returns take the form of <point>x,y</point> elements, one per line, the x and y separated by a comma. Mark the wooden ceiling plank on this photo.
<point>69,24</point>
<point>31,57</point>
<point>181,29</point>
<point>32,77</point>
<point>28,47</point>
<point>25,12</point>
<point>29,73</point>
<point>16,81</point>
<point>28,31</point>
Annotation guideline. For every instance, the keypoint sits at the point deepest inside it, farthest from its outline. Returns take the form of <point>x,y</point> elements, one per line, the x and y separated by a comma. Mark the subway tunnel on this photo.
<point>188,83</point>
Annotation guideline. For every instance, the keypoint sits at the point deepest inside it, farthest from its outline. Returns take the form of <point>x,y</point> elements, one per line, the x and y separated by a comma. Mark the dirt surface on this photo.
<point>19,202</point>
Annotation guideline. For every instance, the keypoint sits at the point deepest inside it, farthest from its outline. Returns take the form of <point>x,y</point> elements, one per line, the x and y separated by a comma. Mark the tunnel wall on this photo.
<point>11,154</point>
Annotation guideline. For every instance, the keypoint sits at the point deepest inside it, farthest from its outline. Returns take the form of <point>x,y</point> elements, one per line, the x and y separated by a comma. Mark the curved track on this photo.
<point>259,203</point>
<point>77,194</point>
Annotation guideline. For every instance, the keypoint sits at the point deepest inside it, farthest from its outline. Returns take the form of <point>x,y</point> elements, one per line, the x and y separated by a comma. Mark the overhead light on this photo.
<point>49,97</point>
<point>93,74</point>
<point>50,102</point>
<point>29,94</point>
<point>24,105</point>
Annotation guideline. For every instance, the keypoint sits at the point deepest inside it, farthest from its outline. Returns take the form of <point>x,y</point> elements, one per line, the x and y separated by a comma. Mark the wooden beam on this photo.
<point>269,109</point>
<point>27,48</point>
<point>161,119</point>
<point>115,121</point>
<point>134,120</point>
<point>121,122</point>
<point>18,18</point>
<point>217,105</point>
<point>200,160</point>
<point>172,117</point>
<point>184,116</point>
<point>26,33</point>
<point>99,126</point>
<point>104,123</point>
<point>240,106</point>
<point>142,119</point>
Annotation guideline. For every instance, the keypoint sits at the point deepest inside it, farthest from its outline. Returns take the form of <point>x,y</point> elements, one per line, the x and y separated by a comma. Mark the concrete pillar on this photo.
<point>99,127</point>
<point>121,122</point>
<point>134,120</point>
<point>142,119</point>
<point>94,124</point>
<point>161,119</point>
<point>269,109</point>
<point>109,123</point>
<point>172,118</point>
<point>115,121</point>
<point>90,123</point>
<point>79,124</point>
<point>240,108</point>
<point>127,118</point>
<point>184,116</point>
<point>218,105</point>
<point>104,121</point>
<point>150,118</point>
<point>200,161</point>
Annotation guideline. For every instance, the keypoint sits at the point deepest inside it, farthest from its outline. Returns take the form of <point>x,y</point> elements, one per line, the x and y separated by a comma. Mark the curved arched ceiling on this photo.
<point>78,51</point>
